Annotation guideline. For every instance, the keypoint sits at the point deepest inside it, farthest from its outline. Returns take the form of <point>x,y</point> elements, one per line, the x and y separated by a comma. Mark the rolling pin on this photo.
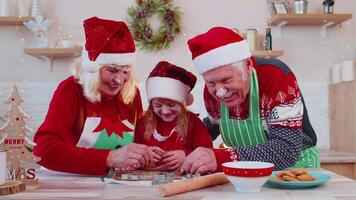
<point>192,184</point>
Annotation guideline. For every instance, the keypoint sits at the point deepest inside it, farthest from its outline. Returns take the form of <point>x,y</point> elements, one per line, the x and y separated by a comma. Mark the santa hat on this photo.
<point>107,42</point>
<point>170,81</point>
<point>219,46</point>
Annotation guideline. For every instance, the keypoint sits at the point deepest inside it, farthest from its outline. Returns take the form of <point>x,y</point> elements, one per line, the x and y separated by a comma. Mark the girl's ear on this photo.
<point>189,100</point>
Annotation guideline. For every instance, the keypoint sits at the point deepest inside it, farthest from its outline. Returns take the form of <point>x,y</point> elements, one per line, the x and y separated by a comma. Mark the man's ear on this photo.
<point>249,66</point>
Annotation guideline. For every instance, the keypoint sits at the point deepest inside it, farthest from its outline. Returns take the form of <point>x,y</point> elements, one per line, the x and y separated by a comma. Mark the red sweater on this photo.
<point>57,137</point>
<point>280,106</point>
<point>197,135</point>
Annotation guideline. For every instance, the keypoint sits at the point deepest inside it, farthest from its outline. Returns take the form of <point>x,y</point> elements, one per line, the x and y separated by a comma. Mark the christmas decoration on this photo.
<point>14,138</point>
<point>39,26</point>
<point>168,30</point>
<point>36,9</point>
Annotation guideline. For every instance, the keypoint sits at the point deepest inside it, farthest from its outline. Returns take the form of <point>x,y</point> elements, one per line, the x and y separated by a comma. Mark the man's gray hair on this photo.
<point>241,67</point>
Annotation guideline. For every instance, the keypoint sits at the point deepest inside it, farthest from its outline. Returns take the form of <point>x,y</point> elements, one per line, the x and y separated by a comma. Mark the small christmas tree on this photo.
<point>16,141</point>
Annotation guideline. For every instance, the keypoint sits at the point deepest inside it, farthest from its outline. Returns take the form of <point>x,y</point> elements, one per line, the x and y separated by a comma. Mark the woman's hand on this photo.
<point>173,160</point>
<point>131,155</point>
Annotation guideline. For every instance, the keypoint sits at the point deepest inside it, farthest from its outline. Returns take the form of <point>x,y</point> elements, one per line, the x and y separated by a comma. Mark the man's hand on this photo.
<point>202,160</point>
<point>134,155</point>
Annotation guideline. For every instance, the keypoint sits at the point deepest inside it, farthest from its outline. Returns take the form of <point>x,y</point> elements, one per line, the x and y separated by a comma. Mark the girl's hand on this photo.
<point>173,160</point>
<point>157,153</point>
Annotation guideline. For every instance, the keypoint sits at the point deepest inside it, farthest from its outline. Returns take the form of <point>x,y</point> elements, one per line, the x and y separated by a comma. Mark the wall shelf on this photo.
<point>312,19</point>
<point>14,20</point>
<point>49,54</point>
<point>309,19</point>
<point>53,53</point>
<point>266,53</point>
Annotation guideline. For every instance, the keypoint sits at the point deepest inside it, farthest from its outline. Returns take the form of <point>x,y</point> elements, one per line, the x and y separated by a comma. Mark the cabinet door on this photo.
<point>342,97</point>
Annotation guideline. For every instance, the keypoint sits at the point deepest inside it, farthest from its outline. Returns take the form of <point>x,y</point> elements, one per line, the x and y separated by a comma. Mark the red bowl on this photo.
<point>248,168</point>
<point>248,176</point>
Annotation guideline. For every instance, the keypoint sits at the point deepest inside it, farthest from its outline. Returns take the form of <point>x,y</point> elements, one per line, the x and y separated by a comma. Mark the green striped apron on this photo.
<point>250,131</point>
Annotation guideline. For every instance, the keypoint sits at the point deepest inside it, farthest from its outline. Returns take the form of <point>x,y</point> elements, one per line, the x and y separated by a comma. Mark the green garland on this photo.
<point>142,32</point>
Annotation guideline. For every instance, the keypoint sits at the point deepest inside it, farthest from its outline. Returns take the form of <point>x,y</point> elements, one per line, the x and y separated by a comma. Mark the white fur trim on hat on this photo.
<point>223,55</point>
<point>169,88</point>
<point>106,58</point>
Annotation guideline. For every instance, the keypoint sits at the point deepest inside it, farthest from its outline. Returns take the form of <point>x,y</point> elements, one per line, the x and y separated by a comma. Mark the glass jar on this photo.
<point>252,39</point>
<point>300,6</point>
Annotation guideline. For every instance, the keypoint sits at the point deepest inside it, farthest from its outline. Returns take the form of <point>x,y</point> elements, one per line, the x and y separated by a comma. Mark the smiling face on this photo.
<point>112,79</point>
<point>166,109</point>
<point>229,84</point>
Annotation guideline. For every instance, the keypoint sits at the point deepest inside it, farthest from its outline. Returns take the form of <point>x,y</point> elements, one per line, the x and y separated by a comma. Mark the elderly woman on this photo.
<point>89,125</point>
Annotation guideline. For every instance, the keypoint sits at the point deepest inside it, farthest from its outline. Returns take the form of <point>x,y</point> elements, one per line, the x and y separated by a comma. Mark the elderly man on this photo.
<point>254,103</point>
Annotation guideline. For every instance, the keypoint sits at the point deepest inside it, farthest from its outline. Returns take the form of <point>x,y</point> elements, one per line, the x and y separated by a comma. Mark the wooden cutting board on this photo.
<point>11,187</point>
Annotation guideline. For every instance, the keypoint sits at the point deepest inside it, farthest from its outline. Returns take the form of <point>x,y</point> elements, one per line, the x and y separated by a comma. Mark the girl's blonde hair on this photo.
<point>90,84</point>
<point>150,119</point>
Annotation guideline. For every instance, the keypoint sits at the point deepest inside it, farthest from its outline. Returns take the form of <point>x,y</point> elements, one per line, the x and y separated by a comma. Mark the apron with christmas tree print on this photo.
<point>101,133</point>
<point>250,131</point>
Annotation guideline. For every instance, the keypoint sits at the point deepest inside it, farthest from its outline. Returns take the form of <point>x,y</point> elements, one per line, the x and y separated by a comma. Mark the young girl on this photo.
<point>171,131</point>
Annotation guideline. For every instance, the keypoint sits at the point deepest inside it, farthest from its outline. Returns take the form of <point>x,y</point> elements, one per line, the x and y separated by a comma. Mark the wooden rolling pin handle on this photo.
<point>192,184</point>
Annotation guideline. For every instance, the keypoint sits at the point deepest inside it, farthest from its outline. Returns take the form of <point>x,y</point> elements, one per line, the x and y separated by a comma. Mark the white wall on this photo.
<point>305,52</point>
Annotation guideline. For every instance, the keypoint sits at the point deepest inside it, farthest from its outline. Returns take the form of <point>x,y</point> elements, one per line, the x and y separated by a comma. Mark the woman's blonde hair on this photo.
<point>150,119</point>
<point>90,84</point>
